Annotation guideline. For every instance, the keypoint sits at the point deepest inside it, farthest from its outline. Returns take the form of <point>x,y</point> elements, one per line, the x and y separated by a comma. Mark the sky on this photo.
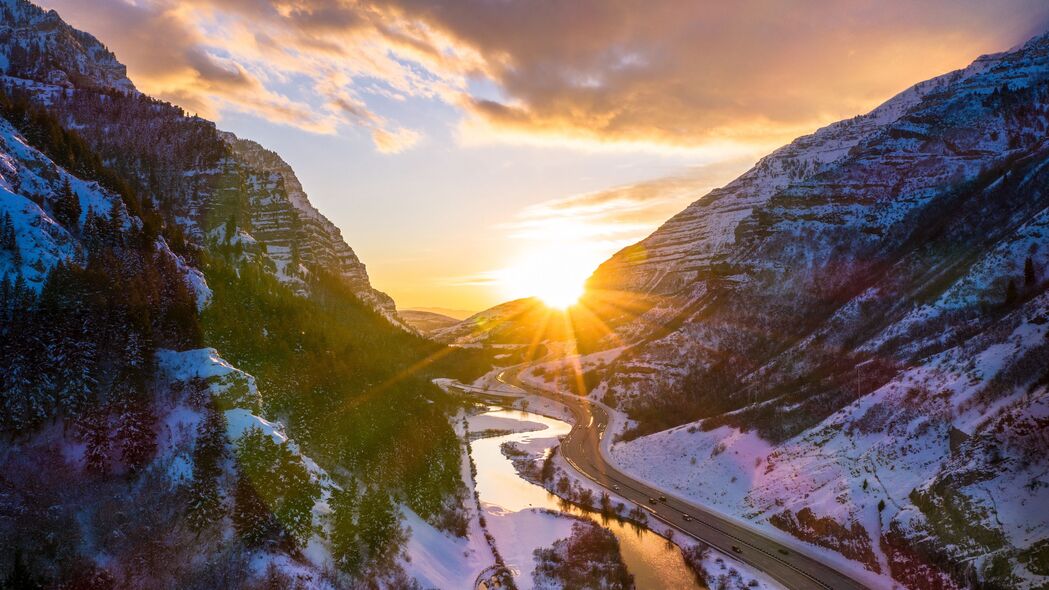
<point>475,151</point>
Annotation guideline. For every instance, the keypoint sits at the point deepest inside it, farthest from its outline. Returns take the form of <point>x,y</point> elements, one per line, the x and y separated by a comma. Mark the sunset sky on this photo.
<point>467,146</point>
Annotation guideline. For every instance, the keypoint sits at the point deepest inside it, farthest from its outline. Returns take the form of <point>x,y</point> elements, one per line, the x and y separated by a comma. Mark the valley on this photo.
<point>830,372</point>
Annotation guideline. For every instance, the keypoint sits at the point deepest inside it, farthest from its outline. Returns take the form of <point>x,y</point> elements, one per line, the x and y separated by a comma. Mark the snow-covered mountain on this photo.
<point>849,342</point>
<point>199,388</point>
<point>205,178</point>
<point>38,45</point>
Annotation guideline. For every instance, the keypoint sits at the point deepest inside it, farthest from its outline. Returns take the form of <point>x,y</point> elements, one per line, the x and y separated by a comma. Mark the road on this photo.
<point>582,449</point>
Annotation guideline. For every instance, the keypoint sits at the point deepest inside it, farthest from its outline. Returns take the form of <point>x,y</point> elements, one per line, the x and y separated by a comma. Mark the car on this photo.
<point>653,501</point>
<point>736,549</point>
<point>783,551</point>
<point>662,498</point>
<point>687,517</point>
<point>615,487</point>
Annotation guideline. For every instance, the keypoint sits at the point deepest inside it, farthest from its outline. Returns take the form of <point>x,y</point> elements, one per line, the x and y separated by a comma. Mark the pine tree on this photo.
<point>252,519</point>
<point>20,577</point>
<point>205,504</point>
<point>345,536</point>
<point>16,257</point>
<point>7,233</point>
<point>114,226</point>
<point>95,426</point>
<point>1011,293</point>
<point>6,287</point>
<point>378,523</point>
<point>70,349</point>
<point>67,206</point>
<point>90,233</point>
<point>231,228</point>
<point>282,481</point>
<point>135,423</point>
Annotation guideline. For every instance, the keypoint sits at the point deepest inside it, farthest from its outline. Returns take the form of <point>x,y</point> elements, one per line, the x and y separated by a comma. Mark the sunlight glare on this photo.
<point>555,276</point>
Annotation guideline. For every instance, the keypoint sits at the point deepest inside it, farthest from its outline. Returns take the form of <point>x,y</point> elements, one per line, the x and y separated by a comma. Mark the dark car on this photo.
<point>662,498</point>
<point>653,501</point>
<point>736,549</point>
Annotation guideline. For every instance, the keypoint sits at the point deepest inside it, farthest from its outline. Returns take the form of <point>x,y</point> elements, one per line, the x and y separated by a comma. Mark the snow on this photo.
<point>519,534</point>
<point>41,242</point>
<point>435,558</point>
<point>221,377</point>
<point>718,467</point>
<point>29,183</point>
<point>964,363</point>
<point>659,564</point>
<point>841,468</point>
<point>238,388</point>
<point>488,422</point>
<point>194,278</point>
<point>439,560</point>
<point>241,421</point>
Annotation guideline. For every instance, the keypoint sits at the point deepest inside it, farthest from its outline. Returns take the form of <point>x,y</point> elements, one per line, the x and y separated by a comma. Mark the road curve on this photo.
<point>582,449</point>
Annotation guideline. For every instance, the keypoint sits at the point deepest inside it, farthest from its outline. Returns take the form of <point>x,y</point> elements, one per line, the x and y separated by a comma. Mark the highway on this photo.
<point>582,449</point>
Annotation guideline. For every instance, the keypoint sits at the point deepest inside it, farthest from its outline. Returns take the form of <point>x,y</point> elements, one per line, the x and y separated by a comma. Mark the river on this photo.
<point>655,563</point>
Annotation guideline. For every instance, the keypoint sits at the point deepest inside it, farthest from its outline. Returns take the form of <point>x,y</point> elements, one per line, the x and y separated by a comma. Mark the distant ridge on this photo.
<point>459,314</point>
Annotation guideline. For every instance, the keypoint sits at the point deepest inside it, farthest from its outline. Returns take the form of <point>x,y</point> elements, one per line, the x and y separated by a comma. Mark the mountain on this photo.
<point>458,314</point>
<point>849,342</point>
<point>38,45</point>
<point>426,321</point>
<point>199,388</point>
<point>203,173</point>
<point>518,324</point>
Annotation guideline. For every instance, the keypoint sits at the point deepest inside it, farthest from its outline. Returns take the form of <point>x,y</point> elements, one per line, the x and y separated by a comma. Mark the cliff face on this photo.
<point>296,234</point>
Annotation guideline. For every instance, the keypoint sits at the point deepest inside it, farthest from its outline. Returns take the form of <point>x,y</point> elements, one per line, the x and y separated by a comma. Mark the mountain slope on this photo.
<point>867,302</point>
<point>138,451</point>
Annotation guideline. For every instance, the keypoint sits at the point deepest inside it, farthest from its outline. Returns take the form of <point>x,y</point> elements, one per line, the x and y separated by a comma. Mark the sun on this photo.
<point>560,295</point>
<point>556,276</point>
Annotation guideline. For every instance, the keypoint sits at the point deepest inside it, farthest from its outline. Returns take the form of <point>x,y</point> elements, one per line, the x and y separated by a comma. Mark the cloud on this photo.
<point>681,73</point>
<point>296,64</point>
<point>621,215</point>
